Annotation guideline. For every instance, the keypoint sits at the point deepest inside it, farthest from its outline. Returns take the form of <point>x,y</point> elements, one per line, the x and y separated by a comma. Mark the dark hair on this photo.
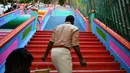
<point>18,61</point>
<point>70,19</point>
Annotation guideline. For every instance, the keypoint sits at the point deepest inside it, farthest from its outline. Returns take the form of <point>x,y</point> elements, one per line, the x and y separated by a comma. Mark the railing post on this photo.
<point>76,10</point>
<point>92,26</point>
<point>87,25</point>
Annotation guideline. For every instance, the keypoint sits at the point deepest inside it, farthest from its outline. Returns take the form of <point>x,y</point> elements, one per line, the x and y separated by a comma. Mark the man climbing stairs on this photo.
<point>97,57</point>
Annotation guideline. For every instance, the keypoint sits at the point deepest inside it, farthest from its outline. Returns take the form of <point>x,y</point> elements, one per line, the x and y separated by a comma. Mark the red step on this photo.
<point>47,39</point>
<point>76,65</point>
<point>84,52</point>
<point>90,71</point>
<point>31,47</point>
<point>81,42</point>
<point>75,58</point>
<point>50,33</point>
<point>48,36</point>
<point>81,46</point>
<point>88,39</point>
<point>97,57</point>
<point>86,47</point>
<point>45,31</point>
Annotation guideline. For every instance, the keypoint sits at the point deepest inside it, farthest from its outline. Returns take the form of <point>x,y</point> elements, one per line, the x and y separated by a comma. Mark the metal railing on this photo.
<point>115,14</point>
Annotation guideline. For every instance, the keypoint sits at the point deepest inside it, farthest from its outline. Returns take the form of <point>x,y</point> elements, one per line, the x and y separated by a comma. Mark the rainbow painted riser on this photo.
<point>46,17</point>
<point>61,13</point>
<point>43,15</point>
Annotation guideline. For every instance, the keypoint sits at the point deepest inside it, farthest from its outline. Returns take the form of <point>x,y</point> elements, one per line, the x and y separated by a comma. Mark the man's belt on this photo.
<point>61,46</point>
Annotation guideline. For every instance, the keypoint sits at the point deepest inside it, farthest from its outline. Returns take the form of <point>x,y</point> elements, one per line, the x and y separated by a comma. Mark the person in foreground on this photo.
<point>64,37</point>
<point>18,61</point>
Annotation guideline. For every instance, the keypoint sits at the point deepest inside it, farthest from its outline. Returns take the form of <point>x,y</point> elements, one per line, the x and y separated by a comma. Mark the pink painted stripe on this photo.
<point>122,54</point>
<point>3,33</point>
<point>5,54</point>
<point>1,36</point>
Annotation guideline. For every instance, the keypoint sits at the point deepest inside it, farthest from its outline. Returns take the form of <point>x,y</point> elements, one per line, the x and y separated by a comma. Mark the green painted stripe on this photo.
<point>91,27</point>
<point>25,33</point>
<point>101,33</point>
<point>62,13</point>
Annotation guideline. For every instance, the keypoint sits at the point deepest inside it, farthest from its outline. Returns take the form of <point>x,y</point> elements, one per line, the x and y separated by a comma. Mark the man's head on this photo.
<point>70,19</point>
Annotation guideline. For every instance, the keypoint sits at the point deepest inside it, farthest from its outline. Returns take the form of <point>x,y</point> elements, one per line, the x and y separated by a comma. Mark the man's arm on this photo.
<point>75,45</point>
<point>50,44</point>
<point>77,50</point>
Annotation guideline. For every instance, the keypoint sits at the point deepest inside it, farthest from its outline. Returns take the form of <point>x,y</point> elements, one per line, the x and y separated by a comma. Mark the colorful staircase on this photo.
<point>97,57</point>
